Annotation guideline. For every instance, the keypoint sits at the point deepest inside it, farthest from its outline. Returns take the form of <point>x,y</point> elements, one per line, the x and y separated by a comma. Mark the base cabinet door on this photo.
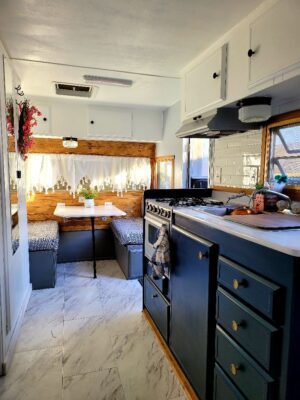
<point>191,295</point>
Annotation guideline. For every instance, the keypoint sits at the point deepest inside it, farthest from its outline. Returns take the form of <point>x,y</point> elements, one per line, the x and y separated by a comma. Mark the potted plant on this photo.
<point>89,196</point>
<point>280,182</point>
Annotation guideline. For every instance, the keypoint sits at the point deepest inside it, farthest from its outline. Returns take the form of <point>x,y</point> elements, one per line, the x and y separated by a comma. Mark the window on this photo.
<point>165,172</point>
<point>285,153</point>
<point>195,163</point>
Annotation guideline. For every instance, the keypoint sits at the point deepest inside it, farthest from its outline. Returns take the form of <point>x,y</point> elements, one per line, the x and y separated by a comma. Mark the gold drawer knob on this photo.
<point>235,325</point>
<point>237,284</point>
<point>202,255</point>
<point>234,368</point>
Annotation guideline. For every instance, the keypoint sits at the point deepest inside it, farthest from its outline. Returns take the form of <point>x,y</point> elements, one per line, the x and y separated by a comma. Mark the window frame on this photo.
<point>159,159</point>
<point>276,123</point>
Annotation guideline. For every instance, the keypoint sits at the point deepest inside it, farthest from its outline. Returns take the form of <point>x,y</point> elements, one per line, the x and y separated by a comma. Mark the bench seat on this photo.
<point>43,240</point>
<point>128,240</point>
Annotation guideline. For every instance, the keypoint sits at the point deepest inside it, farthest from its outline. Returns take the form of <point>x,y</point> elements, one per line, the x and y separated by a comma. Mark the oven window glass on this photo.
<point>152,234</point>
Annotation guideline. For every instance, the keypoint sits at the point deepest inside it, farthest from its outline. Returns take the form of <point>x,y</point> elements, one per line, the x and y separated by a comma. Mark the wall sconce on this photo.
<point>70,142</point>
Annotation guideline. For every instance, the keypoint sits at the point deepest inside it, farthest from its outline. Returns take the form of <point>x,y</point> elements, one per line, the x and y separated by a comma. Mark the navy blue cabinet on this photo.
<point>192,308</point>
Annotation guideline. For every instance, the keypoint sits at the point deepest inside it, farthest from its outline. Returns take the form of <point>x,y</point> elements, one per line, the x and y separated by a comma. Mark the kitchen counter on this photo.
<point>285,241</point>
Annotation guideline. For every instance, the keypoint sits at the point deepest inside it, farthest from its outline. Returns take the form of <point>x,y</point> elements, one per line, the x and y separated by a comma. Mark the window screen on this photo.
<point>285,153</point>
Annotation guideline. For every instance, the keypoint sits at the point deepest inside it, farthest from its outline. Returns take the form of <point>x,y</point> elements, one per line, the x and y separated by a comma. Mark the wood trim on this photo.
<point>92,147</point>
<point>164,158</point>
<point>276,122</point>
<point>189,391</point>
<point>264,159</point>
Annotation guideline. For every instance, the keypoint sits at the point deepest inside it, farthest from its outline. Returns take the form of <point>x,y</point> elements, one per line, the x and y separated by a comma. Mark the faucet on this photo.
<point>281,195</point>
<point>236,196</point>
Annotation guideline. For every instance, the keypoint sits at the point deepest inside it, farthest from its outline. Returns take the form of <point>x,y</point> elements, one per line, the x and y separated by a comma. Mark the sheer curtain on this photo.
<point>45,171</point>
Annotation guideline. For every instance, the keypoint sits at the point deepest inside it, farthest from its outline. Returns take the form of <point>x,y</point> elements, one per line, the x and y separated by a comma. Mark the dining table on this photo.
<point>79,212</point>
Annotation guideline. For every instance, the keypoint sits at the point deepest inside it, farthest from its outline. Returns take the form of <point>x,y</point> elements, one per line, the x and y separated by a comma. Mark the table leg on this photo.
<point>94,247</point>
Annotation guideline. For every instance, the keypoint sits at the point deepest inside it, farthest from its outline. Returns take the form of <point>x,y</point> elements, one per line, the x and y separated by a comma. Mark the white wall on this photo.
<point>170,145</point>
<point>14,268</point>
<point>235,160</point>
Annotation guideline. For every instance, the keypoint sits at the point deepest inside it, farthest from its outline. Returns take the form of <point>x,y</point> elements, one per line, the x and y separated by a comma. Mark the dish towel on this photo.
<point>161,255</point>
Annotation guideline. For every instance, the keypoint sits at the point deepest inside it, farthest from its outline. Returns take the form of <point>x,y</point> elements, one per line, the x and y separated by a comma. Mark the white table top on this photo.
<point>84,212</point>
<point>286,241</point>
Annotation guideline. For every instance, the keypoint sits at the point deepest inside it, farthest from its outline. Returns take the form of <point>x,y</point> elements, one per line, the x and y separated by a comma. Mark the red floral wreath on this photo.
<point>27,121</point>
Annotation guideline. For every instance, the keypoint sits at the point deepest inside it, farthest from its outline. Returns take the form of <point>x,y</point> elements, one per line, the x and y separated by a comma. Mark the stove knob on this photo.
<point>162,212</point>
<point>169,214</point>
<point>150,207</point>
<point>155,209</point>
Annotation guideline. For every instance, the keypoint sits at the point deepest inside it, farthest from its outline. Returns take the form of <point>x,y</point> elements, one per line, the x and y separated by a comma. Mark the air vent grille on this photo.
<point>68,89</point>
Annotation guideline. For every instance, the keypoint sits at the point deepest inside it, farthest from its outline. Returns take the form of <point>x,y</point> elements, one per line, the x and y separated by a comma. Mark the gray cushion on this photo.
<point>43,235</point>
<point>128,231</point>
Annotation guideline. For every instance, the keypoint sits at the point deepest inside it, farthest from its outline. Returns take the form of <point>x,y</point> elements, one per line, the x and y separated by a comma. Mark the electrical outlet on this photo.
<point>108,204</point>
<point>81,199</point>
<point>217,175</point>
<point>61,204</point>
<point>104,218</point>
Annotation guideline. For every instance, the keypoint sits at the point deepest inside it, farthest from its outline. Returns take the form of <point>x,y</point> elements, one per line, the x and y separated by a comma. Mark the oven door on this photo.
<point>152,227</point>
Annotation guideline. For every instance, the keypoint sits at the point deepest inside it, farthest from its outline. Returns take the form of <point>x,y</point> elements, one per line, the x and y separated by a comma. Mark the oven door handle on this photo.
<point>156,223</point>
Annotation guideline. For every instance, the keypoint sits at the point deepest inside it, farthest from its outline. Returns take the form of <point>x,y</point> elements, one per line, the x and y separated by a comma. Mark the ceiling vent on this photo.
<point>68,89</point>
<point>104,80</point>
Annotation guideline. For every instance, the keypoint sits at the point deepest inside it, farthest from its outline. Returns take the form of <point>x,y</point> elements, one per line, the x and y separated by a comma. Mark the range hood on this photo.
<point>220,122</point>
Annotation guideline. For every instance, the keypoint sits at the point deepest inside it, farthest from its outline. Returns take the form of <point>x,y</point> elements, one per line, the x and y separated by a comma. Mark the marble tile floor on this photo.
<point>87,339</point>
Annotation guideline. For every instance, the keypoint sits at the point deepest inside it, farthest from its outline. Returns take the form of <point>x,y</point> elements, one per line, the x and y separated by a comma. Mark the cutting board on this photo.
<point>266,221</point>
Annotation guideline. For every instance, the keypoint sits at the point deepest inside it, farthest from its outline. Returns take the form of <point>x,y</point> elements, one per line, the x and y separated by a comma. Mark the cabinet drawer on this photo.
<point>248,376</point>
<point>224,388</point>
<point>162,284</point>
<point>257,336</point>
<point>157,306</point>
<point>256,291</point>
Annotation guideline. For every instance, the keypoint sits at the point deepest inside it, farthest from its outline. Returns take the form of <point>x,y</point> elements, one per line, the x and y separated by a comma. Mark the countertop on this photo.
<point>285,241</point>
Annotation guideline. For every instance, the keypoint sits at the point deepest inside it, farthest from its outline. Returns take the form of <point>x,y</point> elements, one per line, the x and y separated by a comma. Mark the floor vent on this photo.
<point>67,89</point>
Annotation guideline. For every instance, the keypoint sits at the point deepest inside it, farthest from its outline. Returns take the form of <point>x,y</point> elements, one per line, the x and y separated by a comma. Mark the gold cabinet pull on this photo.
<point>237,284</point>
<point>235,325</point>
<point>234,368</point>
<point>202,255</point>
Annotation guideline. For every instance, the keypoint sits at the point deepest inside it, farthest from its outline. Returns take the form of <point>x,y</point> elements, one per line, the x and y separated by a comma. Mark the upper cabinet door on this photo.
<point>204,85</point>
<point>109,122</point>
<point>43,126</point>
<point>274,42</point>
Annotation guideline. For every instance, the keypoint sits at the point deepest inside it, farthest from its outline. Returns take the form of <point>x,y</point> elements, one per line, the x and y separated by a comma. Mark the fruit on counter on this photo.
<point>295,207</point>
<point>243,211</point>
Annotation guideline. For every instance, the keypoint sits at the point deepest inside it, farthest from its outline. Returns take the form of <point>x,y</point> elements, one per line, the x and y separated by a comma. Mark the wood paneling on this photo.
<point>40,207</point>
<point>93,147</point>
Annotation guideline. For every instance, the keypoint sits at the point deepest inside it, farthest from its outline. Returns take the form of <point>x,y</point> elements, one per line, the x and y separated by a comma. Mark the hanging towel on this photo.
<point>161,255</point>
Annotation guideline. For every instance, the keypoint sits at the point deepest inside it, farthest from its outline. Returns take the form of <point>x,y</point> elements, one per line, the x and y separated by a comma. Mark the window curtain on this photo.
<point>46,171</point>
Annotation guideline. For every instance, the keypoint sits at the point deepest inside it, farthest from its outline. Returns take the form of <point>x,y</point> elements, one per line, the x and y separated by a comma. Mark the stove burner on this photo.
<point>193,201</point>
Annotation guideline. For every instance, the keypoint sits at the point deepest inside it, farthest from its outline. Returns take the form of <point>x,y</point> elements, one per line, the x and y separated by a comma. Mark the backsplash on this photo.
<point>235,160</point>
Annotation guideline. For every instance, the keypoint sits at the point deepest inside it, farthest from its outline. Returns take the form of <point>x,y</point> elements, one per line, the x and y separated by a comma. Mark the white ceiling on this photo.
<point>156,37</point>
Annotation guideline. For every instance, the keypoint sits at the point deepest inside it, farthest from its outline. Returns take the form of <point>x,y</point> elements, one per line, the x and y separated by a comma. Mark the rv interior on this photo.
<point>149,200</point>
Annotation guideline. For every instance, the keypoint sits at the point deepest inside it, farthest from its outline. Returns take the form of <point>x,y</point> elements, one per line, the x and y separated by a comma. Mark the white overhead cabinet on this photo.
<point>109,122</point>
<point>43,122</point>
<point>274,42</point>
<point>204,84</point>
